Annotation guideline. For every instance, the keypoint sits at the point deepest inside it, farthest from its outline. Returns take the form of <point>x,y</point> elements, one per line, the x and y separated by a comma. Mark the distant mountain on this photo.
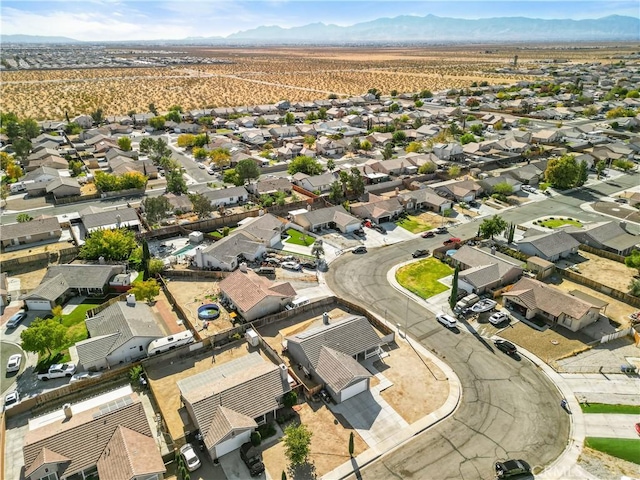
<point>442,29</point>
<point>35,39</point>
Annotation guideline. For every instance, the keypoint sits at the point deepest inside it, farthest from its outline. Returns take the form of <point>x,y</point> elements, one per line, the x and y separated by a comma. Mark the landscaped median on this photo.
<point>422,277</point>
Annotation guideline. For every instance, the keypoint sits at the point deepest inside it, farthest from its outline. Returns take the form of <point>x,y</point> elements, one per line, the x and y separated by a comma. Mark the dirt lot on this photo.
<point>608,272</point>
<point>329,443</point>
<point>190,294</point>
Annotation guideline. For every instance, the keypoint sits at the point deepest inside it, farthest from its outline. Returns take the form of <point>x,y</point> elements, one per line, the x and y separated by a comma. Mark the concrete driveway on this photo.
<point>610,425</point>
<point>235,469</point>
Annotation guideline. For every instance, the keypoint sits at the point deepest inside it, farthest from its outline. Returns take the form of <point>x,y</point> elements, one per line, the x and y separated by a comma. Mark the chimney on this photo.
<point>243,267</point>
<point>325,318</point>
<point>131,300</point>
<point>283,372</point>
<point>66,408</point>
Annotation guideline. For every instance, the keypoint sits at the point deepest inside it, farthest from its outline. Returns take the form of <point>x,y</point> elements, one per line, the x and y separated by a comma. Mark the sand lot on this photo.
<point>608,272</point>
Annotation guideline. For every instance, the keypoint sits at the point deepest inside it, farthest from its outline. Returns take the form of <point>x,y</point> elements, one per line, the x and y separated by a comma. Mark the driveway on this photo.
<point>610,425</point>
<point>235,469</point>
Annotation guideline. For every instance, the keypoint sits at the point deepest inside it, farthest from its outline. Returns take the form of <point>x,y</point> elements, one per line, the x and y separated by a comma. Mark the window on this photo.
<point>51,476</point>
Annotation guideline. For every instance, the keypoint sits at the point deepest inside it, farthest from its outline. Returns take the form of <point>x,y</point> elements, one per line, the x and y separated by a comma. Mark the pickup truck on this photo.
<point>57,371</point>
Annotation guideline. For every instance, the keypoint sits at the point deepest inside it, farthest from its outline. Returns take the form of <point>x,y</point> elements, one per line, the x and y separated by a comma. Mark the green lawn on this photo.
<point>413,224</point>
<point>422,277</point>
<point>79,313</point>
<point>607,408</point>
<point>625,448</point>
<point>558,222</point>
<point>298,238</point>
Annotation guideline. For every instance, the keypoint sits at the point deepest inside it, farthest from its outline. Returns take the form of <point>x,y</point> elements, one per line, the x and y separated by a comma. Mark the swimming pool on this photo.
<point>184,250</point>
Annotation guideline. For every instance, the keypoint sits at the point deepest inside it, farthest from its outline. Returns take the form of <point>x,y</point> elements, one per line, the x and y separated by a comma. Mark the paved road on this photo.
<point>508,407</point>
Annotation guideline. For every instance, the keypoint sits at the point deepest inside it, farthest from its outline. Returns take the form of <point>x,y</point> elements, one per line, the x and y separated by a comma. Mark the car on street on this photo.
<point>621,200</point>
<point>191,460</point>
<point>13,365</point>
<point>441,230</point>
<point>452,241</point>
<point>291,266</point>
<point>360,250</point>
<point>210,171</point>
<point>58,370</point>
<point>446,320</point>
<point>509,468</point>
<point>429,234</point>
<point>420,253</point>
<point>252,458</point>
<point>527,188</point>
<point>11,399</point>
<point>201,166</point>
<point>16,319</point>
<point>507,347</point>
<point>498,318</point>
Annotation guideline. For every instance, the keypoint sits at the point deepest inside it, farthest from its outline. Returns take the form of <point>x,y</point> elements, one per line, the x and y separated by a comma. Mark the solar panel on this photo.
<point>113,406</point>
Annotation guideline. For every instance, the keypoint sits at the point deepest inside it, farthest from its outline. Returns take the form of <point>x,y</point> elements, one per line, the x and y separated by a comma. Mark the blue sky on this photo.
<point>103,20</point>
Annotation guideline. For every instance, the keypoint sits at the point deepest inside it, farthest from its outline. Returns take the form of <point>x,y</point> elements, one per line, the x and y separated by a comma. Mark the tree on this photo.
<point>453,171</point>
<point>201,205</point>
<point>157,123</point>
<point>297,439</point>
<point>200,140</point>
<point>426,94</point>
<point>145,290</point>
<point>156,208</point>
<point>76,167</point>
<point>393,93</point>
<point>220,157</point>
<point>199,153</point>
<point>173,116</point>
<point>317,249</point>
<point>356,183</point>
<point>309,140</point>
<point>428,167</point>
<point>152,109</point>
<point>304,164</point>
<point>453,297</point>
<point>43,336</point>
<point>351,445</point>
<point>336,193</point>
<point>583,173</point>
<point>467,138</point>
<point>124,143</point>
<point>146,256</point>
<point>30,128</point>
<point>247,170</point>
<point>290,399</point>
<point>322,113</point>
<point>512,232</point>
<point>633,260</point>
<point>476,129</point>
<point>146,145</point>
<point>114,244</point>
<point>493,226</point>
<point>562,172</point>
<point>600,167</point>
<point>57,312</point>
<point>22,148</point>
<point>502,188</point>
<point>414,147</point>
<point>388,151</point>
<point>624,165</point>
<point>289,118</point>
<point>186,140</point>
<point>23,218</point>
<point>634,288</point>
<point>176,183</point>
<point>97,116</point>
<point>331,165</point>
<point>5,191</point>
<point>399,137</point>
<point>155,267</point>
<point>365,145</point>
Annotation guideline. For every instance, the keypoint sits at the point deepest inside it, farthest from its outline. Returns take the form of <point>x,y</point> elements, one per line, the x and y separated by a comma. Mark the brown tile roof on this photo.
<point>85,435</point>
<point>339,370</point>
<point>247,289</point>
<point>128,455</point>
<point>535,294</point>
<point>45,457</point>
<point>224,422</point>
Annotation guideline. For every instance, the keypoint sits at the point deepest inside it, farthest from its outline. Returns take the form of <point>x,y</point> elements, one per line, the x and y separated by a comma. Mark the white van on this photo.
<point>298,302</point>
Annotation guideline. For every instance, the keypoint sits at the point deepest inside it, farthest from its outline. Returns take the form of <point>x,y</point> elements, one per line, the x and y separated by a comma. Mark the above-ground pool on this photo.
<point>210,311</point>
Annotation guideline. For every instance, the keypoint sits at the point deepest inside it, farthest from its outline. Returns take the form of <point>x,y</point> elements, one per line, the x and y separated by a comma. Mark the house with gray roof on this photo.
<point>266,228</point>
<point>228,402</point>
<point>121,333</point>
<point>41,229</point>
<point>335,218</point>
<point>316,183</point>
<point>270,186</point>
<point>63,187</point>
<point>550,246</point>
<point>481,271</point>
<point>226,253</point>
<point>332,352</point>
<point>610,236</point>
<point>378,209</point>
<point>424,199</point>
<point>94,218</point>
<point>223,196</point>
<point>489,183</point>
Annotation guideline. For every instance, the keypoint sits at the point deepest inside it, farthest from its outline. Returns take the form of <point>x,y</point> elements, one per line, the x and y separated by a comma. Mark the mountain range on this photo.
<point>414,29</point>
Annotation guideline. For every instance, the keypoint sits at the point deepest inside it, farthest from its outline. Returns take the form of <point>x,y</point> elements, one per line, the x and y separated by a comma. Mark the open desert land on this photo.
<point>266,75</point>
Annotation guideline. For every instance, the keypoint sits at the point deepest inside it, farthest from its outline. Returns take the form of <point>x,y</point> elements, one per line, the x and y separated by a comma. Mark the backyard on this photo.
<point>299,238</point>
<point>558,222</point>
<point>422,277</point>
<point>413,224</point>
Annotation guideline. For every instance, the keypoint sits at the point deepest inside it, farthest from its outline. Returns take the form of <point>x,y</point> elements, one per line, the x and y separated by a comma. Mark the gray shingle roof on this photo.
<point>351,336</point>
<point>552,243</point>
<point>227,249</point>
<point>223,422</point>
<point>109,217</point>
<point>36,226</point>
<point>263,228</point>
<point>335,214</point>
<point>83,276</point>
<point>222,193</point>
<point>339,370</point>
<point>96,348</point>
<point>482,275</point>
<point>48,289</point>
<point>474,257</point>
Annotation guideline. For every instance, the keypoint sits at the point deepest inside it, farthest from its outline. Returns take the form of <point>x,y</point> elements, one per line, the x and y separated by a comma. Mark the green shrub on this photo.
<point>267,430</point>
<point>256,438</point>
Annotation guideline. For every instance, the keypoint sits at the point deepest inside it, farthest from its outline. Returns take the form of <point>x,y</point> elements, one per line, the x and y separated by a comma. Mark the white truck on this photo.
<point>57,371</point>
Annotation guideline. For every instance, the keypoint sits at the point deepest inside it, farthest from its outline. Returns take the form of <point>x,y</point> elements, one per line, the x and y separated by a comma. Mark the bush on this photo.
<point>290,399</point>
<point>235,336</point>
<point>267,430</point>
<point>256,438</point>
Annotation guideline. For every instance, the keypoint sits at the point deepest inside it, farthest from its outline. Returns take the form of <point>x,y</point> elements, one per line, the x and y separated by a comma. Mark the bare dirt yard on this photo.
<point>608,272</point>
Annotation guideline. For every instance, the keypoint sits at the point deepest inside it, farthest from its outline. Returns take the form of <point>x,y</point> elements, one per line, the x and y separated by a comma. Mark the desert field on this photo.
<point>266,75</point>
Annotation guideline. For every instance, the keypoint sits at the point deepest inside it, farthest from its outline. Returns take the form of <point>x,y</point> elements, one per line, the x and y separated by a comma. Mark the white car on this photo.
<point>11,399</point>
<point>447,320</point>
<point>201,166</point>
<point>190,458</point>
<point>291,265</point>
<point>498,317</point>
<point>13,365</point>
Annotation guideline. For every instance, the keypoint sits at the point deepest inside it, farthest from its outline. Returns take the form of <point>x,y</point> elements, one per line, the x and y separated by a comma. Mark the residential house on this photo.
<point>335,218</point>
<point>379,139</point>
<point>395,166</point>
<point>481,271</point>
<point>227,403</point>
<point>460,191</point>
<point>266,228</point>
<point>332,352</point>
<point>180,203</point>
<point>64,187</point>
<point>289,151</point>
<point>254,138</point>
<point>107,438</point>
<point>449,152</point>
<point>533,298</point>
<point>224,196</point>
<point>95,218</point>
<point>545,136</point>
<point>378,209</point>
<point>527,175</point>
<point>254,296</point>
<point>41,229</point>
<point>280,134</point>
<point>610,236</point>
<point>41,175</point>
<point>329,147</point>
<point>317,183</point>
<point>270,186</point>
<point>52,161</point>
<point>550,246</point>
<point>226,253</point>
<point>184,127</point>
<point>489,183</point>
<point>64,281</point>
<point>424,199</point>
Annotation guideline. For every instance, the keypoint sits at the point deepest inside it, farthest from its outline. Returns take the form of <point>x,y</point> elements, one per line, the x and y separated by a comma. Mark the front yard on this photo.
<point>413,224</point>
<point>422,277</point>
<point>625,448</point>
<point>299,238</point>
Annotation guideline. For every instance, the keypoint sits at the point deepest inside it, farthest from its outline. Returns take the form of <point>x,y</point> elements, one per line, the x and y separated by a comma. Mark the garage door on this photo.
<point>354,389</point>
<point>233,443</point>
<point>38,305</point>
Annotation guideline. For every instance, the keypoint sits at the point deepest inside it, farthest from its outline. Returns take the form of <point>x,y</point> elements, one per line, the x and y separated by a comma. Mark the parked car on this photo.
<point>441,230</point>
<point>420,253</point>
<point>191,460</point>
<point>291,266</point>
<point>510,468</point>
<point>272,261</point>
<point>621,200</point>
<point>498,318</point>
<point>359,233</point>
<point>452,241</point>
<point>447,320</point>
<point>527,188</point>
<point>360,250</point>
<point>309,265</point>
<point>325,396</point>
<point>507,347</point>
<point>210,171</point>
<point>379,228</point>
<point>252,458</point>
<point>429,234</point>
<point>289,258</point>
<point>474,204</point>
<point>58,370</point>
<point>16,319</point>
<point>13,365</point>
<point>11,399</point>
<point>201,166</point>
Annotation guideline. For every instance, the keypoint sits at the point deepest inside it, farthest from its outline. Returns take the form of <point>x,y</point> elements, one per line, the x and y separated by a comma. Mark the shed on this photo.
<point>196,237</point>
<point>541,267</point>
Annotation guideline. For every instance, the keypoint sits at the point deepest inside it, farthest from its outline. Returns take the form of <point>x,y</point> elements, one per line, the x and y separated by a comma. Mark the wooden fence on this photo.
<point>602,253</point>
<point>95,310</point>
<point>611,292</point>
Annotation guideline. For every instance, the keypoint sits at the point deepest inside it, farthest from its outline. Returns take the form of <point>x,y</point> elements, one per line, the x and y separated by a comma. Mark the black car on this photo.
<point>509,468</point>
<point>358,232</point>
<point>360,250</point>
<point>420,253</point>
<point>309,265</point>
<point>252,459</point>
<point>379,228</point>
<point>507,347</point>
<point>441,230</point>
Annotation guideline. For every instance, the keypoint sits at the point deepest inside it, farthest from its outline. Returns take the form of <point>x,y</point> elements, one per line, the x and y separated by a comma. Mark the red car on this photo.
<point>638,428</point>
<point>428,235</point>
<point>452,240</point>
